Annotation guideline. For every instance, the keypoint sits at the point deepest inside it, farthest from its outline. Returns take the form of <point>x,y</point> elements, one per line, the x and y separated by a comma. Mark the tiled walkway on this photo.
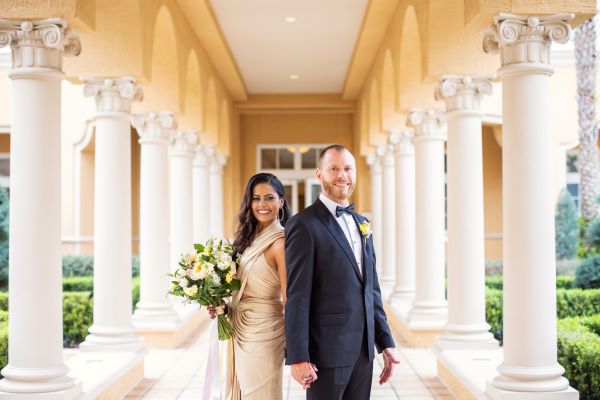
<point>179,374</point>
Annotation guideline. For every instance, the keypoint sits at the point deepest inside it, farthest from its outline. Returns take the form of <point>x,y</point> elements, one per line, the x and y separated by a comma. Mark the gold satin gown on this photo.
<point>255,373</point>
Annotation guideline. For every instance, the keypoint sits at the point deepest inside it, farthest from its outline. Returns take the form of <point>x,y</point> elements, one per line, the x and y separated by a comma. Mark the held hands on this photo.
<point>214,311</point>
<point>390,358</point>
<point>304,373</point>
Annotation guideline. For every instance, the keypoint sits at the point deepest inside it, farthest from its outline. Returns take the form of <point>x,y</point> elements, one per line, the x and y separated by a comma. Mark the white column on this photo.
<point>201,193</point>
<point>404,154</point>
<point>216,196</point>
<point>35,356</point>
<point>154,311</point>
<point>112,328</point>
<point>182,155</point>
<point>376,201</point>
<point>388,218</point>
<point>429,310</point>
<point>466,327</point>
<point>530,364</point>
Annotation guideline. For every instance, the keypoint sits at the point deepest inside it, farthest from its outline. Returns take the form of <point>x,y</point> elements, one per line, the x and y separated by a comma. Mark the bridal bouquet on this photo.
<point>208,277</point>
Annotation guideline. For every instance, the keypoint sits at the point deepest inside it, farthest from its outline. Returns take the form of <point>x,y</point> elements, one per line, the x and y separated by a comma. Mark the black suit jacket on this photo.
<point>329,306</point>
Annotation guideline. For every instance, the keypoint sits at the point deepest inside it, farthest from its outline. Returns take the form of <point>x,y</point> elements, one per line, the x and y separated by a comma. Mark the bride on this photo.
<point>256,310</point>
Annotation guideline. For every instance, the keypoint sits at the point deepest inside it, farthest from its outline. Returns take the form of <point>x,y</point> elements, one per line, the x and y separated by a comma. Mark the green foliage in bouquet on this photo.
<point>207,278</point>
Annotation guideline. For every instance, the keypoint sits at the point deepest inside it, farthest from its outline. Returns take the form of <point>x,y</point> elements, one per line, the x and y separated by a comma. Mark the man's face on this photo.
<point>337,174</point>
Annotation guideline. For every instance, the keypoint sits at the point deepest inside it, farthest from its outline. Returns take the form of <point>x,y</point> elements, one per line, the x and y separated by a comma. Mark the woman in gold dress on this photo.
<point>256,310</point>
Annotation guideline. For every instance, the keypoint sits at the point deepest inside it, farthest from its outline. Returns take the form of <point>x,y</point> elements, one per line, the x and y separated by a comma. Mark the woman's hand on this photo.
<point>214,311</point>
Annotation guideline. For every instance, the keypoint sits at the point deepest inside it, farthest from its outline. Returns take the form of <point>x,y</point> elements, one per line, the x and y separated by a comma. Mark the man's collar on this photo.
<point>330,204</point>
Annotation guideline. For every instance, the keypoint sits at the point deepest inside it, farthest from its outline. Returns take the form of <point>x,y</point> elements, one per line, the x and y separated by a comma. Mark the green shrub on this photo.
<point>493,311</point>
<point>135,291</point>
<point>566,235</point>
<point>579,354</point>
<point>566,267</point>
<point>587,275</point>
<point>4,301</point>
<point>78,284</point>
<point>577,302</point>
<point>3,345</point>
<point>562,282</point>
<point>4,213</point>
<point>78,316</point>
<point>493,267</point>
<point>84,266</point>
<point>592,236</point>
<point>77,266</point>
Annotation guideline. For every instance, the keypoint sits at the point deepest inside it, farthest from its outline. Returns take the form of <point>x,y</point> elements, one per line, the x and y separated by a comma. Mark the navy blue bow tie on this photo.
<point>340,210</point>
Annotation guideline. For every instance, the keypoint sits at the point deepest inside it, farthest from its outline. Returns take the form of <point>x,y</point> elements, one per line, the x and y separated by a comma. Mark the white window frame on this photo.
<point>292,176</point>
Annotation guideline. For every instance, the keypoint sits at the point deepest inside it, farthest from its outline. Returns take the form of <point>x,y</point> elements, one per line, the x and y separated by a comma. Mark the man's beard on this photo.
<point>330,189</point>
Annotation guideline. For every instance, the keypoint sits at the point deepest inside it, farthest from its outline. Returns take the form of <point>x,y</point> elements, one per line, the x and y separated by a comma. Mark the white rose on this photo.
<point>190,291</point>
<point>183,283</point>
<point>198,274</point>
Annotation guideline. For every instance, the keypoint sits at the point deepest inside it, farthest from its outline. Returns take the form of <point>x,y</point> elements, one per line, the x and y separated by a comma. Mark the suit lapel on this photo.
<point>336,231</point>
<point>366,260</point>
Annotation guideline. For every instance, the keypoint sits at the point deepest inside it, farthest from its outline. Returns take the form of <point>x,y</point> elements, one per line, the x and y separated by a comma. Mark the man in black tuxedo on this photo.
<point>334,314</point>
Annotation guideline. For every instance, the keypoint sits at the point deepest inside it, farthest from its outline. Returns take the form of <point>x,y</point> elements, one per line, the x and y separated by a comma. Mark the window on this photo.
<point>573,177</point>
<point>4,170</point>
<point>295,166</point>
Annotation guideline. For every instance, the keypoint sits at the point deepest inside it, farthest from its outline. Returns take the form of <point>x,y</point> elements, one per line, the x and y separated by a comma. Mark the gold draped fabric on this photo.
<point>256,368</point>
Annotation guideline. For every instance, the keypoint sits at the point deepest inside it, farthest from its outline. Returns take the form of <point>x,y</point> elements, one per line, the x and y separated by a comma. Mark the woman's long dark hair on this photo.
<point>247,223</point>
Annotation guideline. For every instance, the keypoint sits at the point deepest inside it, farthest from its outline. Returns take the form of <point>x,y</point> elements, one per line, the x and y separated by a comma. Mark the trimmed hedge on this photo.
<point>562,282</point>
<point>579,353</point>
<point>78,284</point>
<point>569,303</point>
<point>84,266</point>
<point>78,315</point>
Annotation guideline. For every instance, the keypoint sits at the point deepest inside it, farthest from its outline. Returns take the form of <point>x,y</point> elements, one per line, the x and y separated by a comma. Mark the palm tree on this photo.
<point>589,168</point>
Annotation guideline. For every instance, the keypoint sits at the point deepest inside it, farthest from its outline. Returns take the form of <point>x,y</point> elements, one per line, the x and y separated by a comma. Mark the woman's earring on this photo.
<point>280,214</point>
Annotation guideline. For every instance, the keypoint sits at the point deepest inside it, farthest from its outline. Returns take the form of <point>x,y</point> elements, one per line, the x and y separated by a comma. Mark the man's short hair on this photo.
<point>336,147</point>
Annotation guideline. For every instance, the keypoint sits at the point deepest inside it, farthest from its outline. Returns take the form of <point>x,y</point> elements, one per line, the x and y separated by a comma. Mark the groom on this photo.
<point>334,315</point>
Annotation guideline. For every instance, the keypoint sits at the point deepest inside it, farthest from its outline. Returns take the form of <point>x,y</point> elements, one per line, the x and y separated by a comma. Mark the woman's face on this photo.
<point>265,204</point>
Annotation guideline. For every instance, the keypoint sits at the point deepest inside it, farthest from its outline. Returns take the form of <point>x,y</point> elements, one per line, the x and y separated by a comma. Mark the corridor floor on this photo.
<point>179,374</point>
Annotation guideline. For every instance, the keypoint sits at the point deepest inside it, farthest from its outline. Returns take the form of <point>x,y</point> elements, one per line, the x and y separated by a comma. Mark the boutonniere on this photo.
<point>365,229</point>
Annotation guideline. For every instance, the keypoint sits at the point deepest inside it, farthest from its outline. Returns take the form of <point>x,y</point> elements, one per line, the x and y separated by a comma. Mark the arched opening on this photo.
<point>192,117</point>
<point>211,115</point>
<point>389,117</point>
<point>409,68</point>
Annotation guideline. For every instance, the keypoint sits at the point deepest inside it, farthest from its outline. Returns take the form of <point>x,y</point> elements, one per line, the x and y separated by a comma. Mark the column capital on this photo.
<point>427,123</point>
<point>183,141</point>
<point>524,39</point>
<point>113,94</point>
<point>39,43</point>
<point>202,155</point>
<point>403,142</point>
<point>463,92</point>
<point>154,126</point>
<point>374,162</point>
<point>217,162</point>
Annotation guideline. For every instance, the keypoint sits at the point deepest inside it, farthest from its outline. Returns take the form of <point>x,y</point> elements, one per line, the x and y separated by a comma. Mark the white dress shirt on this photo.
<point>349,228</point>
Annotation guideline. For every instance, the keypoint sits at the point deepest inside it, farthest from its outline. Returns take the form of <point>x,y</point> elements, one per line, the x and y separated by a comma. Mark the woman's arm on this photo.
<point>279,256</point>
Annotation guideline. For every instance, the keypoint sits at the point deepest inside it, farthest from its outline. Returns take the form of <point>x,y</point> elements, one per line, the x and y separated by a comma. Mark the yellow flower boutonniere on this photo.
<point>365,229</point>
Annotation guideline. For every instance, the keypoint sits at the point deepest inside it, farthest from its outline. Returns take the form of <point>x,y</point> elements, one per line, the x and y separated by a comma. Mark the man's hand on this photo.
<point>389,359</point>
<point>304,373</point>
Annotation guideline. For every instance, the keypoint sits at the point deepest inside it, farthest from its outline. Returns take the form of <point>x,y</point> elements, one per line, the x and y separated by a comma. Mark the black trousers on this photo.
<point>344,383</point>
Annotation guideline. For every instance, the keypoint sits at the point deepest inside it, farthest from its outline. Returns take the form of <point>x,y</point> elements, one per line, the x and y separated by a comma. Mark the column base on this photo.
<point>476,340</point>
<point>172,335</point>
<point>131,343</point>
<point>106,375</point>
<point>402,295</point>
<point>420,334</point>
<point>51,382</point>
<point>495,393</point>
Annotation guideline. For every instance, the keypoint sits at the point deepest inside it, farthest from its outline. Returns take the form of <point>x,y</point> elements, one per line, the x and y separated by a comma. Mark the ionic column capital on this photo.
<point>374,162</point>
<point>154,126</point>
<point>403,142</point>
<point>202,155</point>
<point>386,153</point>
<point>183,142</point>
<point>463,92</point>
<point>523,39</point>
<point>427,123</point>
<point>39,43</point>
<point>217,162</point>
<point>113,94</point>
